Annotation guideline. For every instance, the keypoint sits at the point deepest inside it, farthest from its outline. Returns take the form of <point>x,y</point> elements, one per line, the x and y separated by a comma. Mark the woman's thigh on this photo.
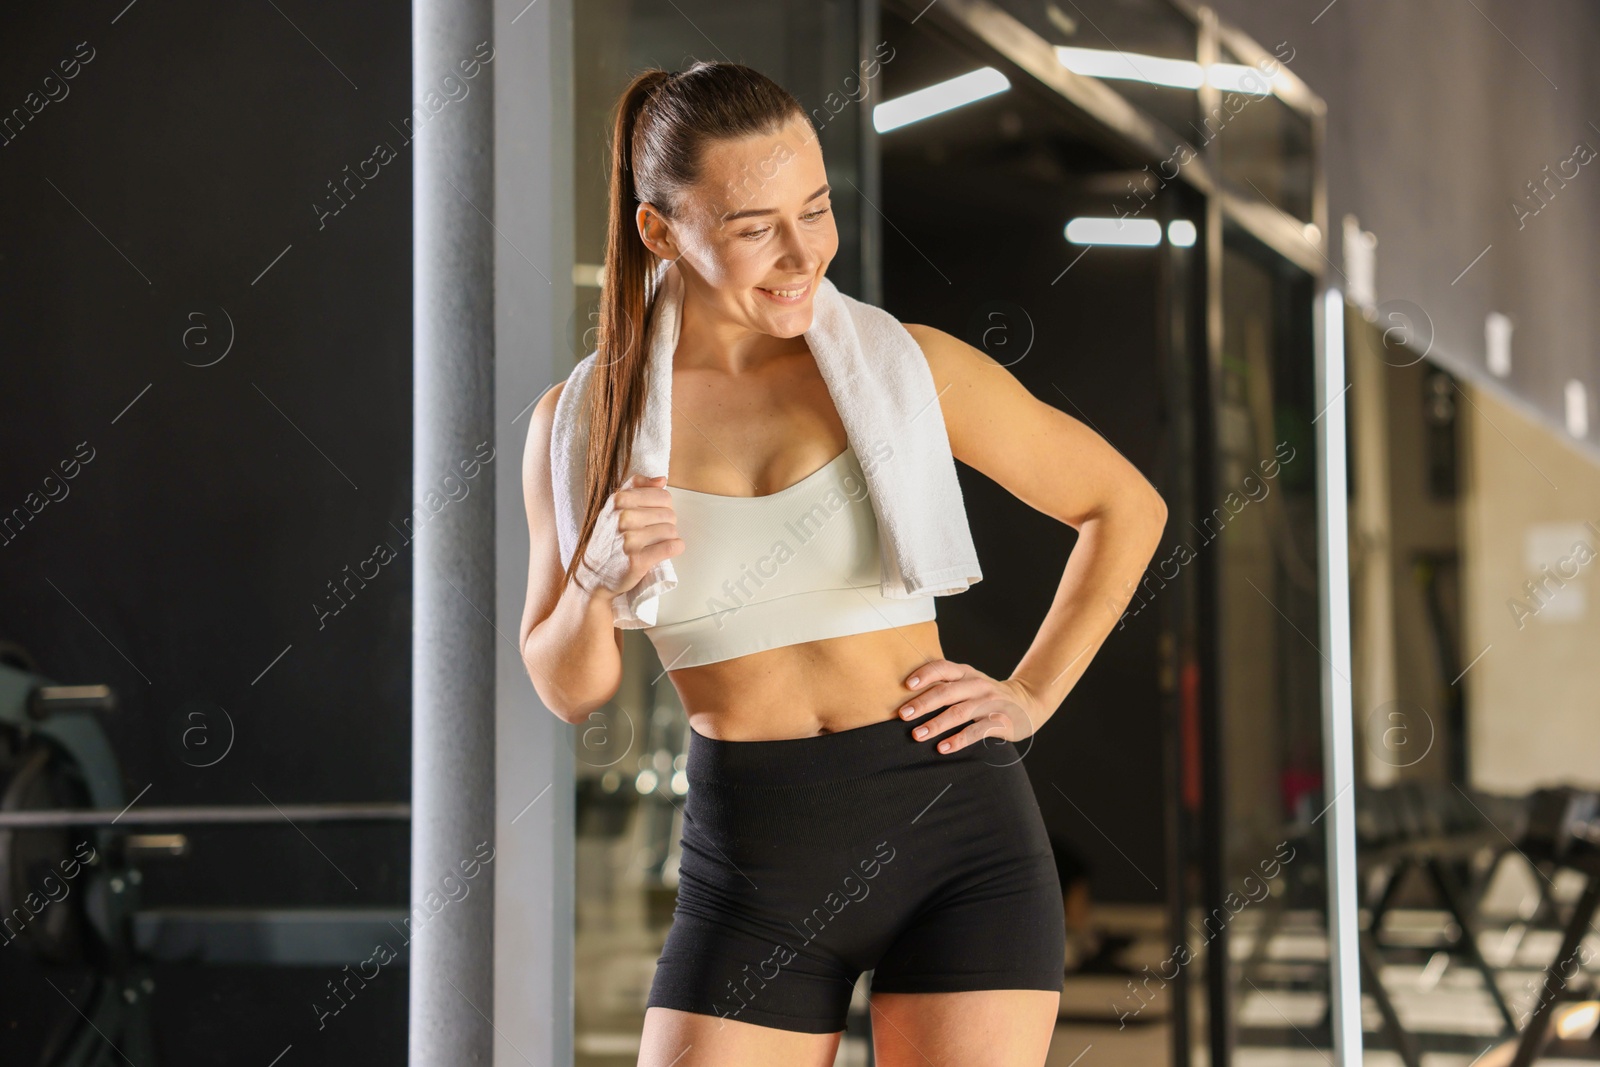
<point>981,1028</point>
<point>675,1038</point>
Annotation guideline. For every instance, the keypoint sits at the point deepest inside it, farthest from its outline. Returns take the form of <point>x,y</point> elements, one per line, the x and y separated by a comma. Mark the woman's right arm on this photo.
<point>570,646</point>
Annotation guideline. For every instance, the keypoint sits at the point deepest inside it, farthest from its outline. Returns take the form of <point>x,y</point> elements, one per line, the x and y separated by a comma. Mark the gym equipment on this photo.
<point>1441,830</point>
<point>1437,829</point>
<point>64,822</point>
<point>1563,830</point>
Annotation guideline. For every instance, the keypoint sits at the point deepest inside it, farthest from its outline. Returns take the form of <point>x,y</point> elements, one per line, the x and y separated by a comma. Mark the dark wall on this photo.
<point>205,421</point>
<point>1440,114</point>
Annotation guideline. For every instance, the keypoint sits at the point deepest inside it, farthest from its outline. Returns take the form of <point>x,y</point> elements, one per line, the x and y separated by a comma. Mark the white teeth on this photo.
<point>787,294</point>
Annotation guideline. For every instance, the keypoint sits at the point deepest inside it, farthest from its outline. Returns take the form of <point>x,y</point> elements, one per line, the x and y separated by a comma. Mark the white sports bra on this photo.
<point>760,572</point>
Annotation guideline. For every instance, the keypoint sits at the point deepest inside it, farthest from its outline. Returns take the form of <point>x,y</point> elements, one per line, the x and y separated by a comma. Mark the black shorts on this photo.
<point>807,861</point>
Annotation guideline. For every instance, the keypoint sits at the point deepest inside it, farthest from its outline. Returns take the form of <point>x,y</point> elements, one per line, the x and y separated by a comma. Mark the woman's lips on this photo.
<point>805,291</point>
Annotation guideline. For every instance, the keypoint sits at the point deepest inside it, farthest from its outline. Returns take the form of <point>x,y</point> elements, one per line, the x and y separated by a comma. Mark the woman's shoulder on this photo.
<point>945,354</point>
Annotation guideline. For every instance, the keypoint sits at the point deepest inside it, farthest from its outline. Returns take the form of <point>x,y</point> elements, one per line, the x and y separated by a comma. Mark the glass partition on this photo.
<point>1264,909</point>
<point>1478,830</point>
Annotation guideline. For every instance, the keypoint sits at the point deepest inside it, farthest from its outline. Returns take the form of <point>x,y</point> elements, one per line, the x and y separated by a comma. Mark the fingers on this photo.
<point>942,693</point>
<point>935,670</point>
<point>973,701</point>
<point>961,711</point>
<point>651,545</point>
<point>643,518</point>
<point>635,531</point>
<point>654,553</point>
<point>991,725</point>
<point>640,491</point>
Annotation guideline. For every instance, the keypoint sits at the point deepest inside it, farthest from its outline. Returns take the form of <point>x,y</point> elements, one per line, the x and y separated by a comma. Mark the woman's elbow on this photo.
<point>550,694</point>
<point>1140,512</point>
<point>570,708</point>
<point>1157,508</point>
<point>1155,512</point>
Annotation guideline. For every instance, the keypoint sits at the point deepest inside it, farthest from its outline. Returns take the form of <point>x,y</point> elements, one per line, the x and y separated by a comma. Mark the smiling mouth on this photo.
<point>788,295</point>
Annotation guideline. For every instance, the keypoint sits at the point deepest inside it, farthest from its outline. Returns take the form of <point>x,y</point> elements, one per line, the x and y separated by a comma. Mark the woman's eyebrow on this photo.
<point>730,216</point>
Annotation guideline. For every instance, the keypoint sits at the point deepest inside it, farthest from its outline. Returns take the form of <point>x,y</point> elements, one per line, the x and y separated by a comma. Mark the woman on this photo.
<point>842,814</point>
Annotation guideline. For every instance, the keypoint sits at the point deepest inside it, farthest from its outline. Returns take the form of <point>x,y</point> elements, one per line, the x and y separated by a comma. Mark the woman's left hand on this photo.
<point>993,707</point>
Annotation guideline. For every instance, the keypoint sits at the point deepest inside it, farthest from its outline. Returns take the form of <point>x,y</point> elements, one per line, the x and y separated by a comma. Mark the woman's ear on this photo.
<point>655,232</point>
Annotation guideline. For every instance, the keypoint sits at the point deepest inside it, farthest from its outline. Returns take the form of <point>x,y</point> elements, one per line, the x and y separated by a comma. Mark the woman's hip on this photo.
<point>781,808</point>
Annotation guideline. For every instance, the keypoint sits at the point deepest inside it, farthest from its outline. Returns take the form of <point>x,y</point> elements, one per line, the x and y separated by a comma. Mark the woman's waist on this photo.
<point>808,689</point>
<point>840,767</point>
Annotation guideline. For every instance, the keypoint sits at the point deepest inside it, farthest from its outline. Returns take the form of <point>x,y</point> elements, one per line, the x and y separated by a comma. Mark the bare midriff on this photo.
<point>816,687</point>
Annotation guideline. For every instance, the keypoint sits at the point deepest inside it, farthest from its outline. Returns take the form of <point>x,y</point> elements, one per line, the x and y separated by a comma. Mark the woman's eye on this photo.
<point>811,216</point>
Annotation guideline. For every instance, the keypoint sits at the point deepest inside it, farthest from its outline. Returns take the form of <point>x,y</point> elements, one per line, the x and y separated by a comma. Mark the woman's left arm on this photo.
<point>1056,465</point>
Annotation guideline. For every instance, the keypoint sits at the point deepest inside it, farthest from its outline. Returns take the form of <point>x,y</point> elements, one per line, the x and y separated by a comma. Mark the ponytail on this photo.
<point>616,386</point>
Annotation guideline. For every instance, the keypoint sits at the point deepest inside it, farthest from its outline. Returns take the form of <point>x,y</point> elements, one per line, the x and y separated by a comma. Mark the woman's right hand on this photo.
<point>636,529</point>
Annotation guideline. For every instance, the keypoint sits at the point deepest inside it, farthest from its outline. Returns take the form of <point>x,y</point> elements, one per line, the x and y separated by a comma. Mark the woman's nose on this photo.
<point>798,254</point>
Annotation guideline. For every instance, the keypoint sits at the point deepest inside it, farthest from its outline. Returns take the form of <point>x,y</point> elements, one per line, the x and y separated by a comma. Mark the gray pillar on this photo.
<point>533,214</point>
<point>453,646</point>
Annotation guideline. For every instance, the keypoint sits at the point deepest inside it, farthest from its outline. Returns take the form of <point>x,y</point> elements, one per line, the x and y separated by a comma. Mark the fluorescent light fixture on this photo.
<point>1238,78</point>
<point>1089,230</point>
<point>1181,232</point>
<point>1133,66</point>
<point>944,96</point>
<point>1172,73</point>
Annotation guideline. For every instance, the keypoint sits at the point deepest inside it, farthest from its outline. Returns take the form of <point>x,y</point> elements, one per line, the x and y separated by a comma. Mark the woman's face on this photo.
<point>759,220</point>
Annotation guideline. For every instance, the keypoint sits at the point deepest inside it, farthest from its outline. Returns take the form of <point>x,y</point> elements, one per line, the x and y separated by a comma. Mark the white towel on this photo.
<point>880,383</point>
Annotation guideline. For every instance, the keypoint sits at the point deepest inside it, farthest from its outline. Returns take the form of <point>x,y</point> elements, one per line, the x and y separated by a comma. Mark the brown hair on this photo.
<point>663,123</point>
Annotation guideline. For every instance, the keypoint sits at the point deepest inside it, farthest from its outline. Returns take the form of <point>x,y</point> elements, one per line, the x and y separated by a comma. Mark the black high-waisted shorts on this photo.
<point>807,861</point>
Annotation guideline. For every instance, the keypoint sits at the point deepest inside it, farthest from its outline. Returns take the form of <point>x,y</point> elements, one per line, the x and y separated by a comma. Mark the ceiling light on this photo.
<point>1089,230</point>
<point>1171,73</point>
<point>935,99</point>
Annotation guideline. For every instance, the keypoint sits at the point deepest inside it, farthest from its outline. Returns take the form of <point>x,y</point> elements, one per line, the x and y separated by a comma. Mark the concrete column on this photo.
<point>453,648</point>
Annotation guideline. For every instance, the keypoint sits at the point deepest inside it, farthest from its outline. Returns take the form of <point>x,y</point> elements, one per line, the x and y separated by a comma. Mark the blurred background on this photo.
<point>279,284</point>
